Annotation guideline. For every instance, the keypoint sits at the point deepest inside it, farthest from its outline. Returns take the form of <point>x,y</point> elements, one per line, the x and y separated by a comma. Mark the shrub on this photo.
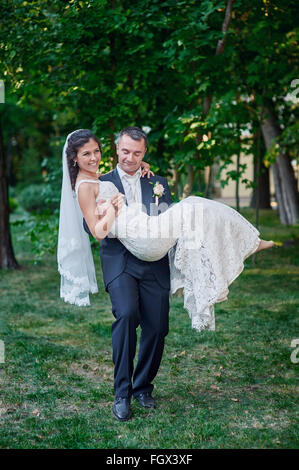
<point>13,204</point>
<point>38,198</point>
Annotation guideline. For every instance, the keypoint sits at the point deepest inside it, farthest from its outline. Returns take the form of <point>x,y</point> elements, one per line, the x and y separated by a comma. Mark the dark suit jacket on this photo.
<point>113,254</point>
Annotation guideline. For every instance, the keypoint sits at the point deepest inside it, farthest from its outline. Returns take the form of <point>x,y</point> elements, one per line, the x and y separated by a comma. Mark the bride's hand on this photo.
<point>117,202</point>
<point>145,169</point>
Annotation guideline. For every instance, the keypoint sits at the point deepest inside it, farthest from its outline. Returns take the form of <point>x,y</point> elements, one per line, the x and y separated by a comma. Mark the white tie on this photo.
<point>132,189</point>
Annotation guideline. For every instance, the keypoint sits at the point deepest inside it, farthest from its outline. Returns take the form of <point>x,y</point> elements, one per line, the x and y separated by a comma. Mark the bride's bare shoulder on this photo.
<point>85,186</point>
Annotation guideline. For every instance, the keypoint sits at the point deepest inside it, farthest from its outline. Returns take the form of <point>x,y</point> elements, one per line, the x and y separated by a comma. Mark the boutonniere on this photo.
<point>158,191</point>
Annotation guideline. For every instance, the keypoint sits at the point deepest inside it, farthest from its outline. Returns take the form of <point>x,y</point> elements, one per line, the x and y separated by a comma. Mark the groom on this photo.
<point>139,290</point>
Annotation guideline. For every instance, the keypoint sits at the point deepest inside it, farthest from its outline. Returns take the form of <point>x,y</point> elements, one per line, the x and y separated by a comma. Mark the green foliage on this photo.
<point>43,235</point>
<point>145,63</point>
<point>272,152</point>
<point>106,65</point>
<point>37,217</point>
<point>30,170</point>
<point>39,232</point>
<point>38,198</point>
<point>13,204</point>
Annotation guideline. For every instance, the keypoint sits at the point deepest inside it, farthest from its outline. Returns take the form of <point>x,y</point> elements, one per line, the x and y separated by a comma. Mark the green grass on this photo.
<point>233,388</point>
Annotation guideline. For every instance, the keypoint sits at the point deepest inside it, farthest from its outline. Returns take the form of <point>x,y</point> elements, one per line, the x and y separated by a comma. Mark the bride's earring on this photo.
<point>75,163</point>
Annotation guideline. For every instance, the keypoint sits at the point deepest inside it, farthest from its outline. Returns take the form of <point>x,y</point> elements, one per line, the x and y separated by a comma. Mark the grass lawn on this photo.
<point>233,388</point>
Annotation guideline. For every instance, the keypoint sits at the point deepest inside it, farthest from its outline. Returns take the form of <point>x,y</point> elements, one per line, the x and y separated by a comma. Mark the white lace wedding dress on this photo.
<point>206,241</point>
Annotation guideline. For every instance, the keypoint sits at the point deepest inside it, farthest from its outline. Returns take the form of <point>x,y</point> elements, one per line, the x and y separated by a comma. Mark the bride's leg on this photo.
<point>264,245</point>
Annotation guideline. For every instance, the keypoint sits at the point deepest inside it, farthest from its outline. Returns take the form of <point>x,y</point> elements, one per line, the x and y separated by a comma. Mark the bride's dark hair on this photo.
<point>74,143</point>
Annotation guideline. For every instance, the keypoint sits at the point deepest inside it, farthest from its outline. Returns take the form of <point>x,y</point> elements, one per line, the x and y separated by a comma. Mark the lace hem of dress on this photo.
<point>239,270</point>
<point>195,273</point>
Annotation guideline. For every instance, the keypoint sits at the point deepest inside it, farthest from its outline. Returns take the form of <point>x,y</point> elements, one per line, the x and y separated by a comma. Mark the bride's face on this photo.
<point>89,156</point>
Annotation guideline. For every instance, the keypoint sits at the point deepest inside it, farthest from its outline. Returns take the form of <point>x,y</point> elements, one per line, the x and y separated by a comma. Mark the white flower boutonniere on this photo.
<point>158,191</point>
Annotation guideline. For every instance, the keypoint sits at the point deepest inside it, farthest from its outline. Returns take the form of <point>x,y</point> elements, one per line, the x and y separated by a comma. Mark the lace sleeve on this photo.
<point>113,189</point>
<point>107,190</point>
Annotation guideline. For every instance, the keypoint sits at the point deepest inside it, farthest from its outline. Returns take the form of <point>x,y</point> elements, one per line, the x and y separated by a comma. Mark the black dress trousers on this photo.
<point>137,299</point>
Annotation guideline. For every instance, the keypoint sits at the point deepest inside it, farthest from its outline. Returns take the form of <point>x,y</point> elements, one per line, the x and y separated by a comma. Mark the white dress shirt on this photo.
<point>131,185</point>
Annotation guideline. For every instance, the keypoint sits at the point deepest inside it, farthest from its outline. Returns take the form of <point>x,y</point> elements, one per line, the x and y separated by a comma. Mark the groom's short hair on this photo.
<point>134,132</point>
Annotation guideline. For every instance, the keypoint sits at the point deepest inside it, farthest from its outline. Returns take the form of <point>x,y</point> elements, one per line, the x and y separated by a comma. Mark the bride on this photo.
<point>206,241</point>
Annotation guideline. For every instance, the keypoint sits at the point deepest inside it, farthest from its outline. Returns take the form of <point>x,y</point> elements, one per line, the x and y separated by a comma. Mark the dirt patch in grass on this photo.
<point>92,370</point>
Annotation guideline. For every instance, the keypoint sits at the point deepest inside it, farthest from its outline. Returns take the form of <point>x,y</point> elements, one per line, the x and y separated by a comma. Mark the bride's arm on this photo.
<point>105,222</point>
<point>99,225</point>
<point>108,212</point>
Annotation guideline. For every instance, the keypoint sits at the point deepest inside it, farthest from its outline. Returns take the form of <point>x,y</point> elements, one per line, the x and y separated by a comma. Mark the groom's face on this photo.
<point>130,153</point>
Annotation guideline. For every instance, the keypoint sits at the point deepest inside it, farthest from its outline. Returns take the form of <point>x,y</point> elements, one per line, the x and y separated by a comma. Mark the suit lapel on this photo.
<point>147,192</point>
<point>117,181</point>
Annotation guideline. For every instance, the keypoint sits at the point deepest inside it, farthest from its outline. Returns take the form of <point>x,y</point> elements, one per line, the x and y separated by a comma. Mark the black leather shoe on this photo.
<point>121,409</point>
<point>146,400</point>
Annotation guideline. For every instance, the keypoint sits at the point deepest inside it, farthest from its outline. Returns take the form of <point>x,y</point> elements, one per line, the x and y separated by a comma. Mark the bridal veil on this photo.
<point>74,256</point>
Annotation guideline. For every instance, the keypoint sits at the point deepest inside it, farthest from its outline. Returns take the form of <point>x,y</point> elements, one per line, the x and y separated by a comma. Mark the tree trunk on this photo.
<point>237,193</point>
<point>225,25</point>
<point>175,182</point>
<point>189,183</point>
<point>237,188</point>
<point>264,186</point>
<point>284,178</point>
<point>113,157</point>
<point>7,258</point>
<point>209,183</point>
